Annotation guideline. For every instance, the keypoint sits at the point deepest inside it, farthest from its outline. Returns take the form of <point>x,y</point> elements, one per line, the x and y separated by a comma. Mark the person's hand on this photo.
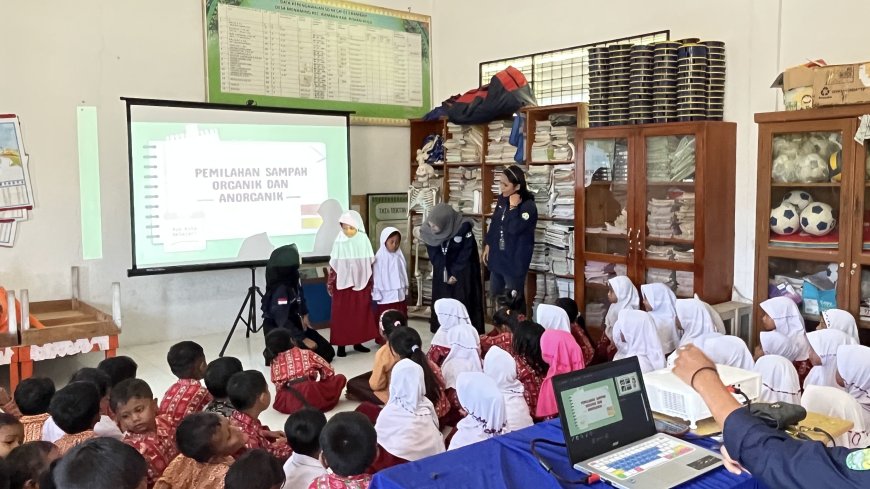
<point>452,280</point>
<point>730,464</point>
<point>306,323</point>
<point>310,343</point>
<point>485,255</point>
<point>515,200</point>
<point>274,435</point>
<point>690,360</point>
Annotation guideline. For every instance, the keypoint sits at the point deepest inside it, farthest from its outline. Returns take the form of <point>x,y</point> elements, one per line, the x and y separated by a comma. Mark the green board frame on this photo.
<point>325,11</point>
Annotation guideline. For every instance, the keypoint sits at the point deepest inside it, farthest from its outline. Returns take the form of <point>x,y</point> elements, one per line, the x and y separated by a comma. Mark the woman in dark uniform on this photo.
<point>510,238</point>
<point>455,263</point>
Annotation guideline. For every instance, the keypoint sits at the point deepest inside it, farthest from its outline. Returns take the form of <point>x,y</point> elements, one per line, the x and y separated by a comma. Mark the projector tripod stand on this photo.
<point>249,320</point>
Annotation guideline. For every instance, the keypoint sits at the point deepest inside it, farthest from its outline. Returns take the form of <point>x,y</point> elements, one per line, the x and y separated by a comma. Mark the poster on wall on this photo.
<point>16,191</point>
<point>386,210</point>
<point>319,54</point>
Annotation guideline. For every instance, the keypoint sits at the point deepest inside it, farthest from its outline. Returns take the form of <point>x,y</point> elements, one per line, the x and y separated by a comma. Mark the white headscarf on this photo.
<point>843,321</point>
<point>407,426</point>
<point>779,380</point>
<point>695,320</point>
<point>853,364</point>
<point>717,319</point>
<point>825,343</point>
<point>726,350</point>
<point>457,333</point>
<point>662,301</point>
<point>626,298</point>
<point>352,258</point>
<point>553,317</point>
<point>502,368</point>
<point>788,320</point>
<point>480,398</point>
<point>391,270</point>
<point>641,339</point>
<point>776,343</point>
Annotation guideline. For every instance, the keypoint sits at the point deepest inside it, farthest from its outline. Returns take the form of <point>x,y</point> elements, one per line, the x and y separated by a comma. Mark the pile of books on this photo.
<point>499,149</point>
<point>540,256</point>
<point>465,186</point>
<point>464,144</point>
<point>538,181</point>
<point>560,243</point>
<point>660,217</point>
<point>685,284</point>
<point>563,188</point>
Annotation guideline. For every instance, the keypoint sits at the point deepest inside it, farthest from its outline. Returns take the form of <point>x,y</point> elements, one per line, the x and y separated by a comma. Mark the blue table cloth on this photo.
<point>506,462</point>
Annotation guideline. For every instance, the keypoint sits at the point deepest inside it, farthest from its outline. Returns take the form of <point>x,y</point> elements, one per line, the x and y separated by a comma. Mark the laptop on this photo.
<point>610,431</point>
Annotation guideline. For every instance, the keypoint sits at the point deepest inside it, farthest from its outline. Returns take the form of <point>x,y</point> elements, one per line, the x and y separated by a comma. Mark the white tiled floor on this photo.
<point>154,370</point>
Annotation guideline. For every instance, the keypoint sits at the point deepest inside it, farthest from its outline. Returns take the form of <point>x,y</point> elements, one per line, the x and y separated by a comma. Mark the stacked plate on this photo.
<point>692,82</point>
<point>664,99</point>
<point>715,79</point>
<point>599,81</point>
<point>617,96</point>
<point>641,85</point>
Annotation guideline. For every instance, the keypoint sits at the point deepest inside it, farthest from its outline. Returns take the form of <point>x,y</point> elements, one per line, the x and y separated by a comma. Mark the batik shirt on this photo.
<point>254,431</point>
<point>157,447</point>
<point>332,481</point>
<point>187,396</point>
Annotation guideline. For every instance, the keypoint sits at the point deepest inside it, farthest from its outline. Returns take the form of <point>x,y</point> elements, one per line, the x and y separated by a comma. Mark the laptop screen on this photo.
<point>603,407</point>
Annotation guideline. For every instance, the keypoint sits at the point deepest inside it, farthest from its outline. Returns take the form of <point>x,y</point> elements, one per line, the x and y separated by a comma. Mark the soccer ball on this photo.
<point>785,219</point>
<point>818,219</point>
<point>784,169</point>
<point>798,198</point>
<point>812,168</point>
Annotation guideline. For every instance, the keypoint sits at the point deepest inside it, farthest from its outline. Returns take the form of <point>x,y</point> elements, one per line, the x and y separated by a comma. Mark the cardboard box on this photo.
<point>797,85</point>
<point>842,85</point>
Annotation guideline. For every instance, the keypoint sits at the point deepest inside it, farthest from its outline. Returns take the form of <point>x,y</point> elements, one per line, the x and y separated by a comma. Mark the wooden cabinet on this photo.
<point>656,203</point>
<point>796,154</point>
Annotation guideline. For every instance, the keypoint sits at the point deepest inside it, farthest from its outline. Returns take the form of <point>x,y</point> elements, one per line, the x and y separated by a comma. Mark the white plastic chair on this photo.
<point>838,403</point>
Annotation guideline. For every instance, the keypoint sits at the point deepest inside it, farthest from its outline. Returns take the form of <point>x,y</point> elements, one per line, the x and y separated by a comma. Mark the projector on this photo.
<point>671,396</point>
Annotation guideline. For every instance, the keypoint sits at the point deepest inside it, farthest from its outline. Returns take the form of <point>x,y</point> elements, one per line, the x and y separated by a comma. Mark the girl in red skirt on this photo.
<point>350,285</point>
<point>301,377</point>
<point>390,275</point>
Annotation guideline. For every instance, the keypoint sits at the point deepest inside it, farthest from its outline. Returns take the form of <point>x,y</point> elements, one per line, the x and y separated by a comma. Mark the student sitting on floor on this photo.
<point>101,463</point>
<point>484,409</point>
<point>75,409</point>
<point>151,435</point>
<point>118,368</point>
<point>502,368</point>
<point>531,367</point>
<point>187,395</point>
<point>406,342</point>
<point>661,303</point>
<point>106,426</point>
<point>853,374</point>
<point>257,469</point>
<point>217,374</point>
<point>302,379</point>
<point>374,386</point>
<point>11,434</point>
<point>250,395</point>
<point>635,336</point>
<point>33,396</point>
<point>350,444</point>
<point>504,322</point>
<point>562,354</point>
<point>407,427</point>
<point>622,294</point>
<point>29,463</point>
<point>781,314</point>
<point>303,430</point>
<point>207,443</point>
<point>455,347</point>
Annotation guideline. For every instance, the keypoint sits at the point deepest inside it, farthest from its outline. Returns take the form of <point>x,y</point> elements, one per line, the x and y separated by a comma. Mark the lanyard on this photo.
<point>444,247</point>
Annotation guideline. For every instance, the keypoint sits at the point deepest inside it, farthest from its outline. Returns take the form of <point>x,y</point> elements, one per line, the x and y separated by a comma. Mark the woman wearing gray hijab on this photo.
<point>455,262</point>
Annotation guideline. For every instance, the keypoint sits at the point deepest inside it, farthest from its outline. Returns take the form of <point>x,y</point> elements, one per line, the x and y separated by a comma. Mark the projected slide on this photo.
<point>227,186</point>
<point>591,407</point>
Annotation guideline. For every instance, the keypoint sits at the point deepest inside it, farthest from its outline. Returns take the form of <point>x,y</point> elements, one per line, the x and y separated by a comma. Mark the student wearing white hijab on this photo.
<point>853,368</point>
<point>635,336</point>
<point>456,345</point>
<point>390,274</point>
<point>825,343</point>
<point>553,317</point>
<point>502,368</point>
<point>840,320</point>
<point>622,294</point>
<point>484,405</point>
<point>694,320</point>
<point>726,350</point>
<point>776,343</point>
<point>787,319</point>
<point>350,285</point>
<point>717,319</point>
<point>407,427</point>
<point>660,301</point>
<point>779,380</point>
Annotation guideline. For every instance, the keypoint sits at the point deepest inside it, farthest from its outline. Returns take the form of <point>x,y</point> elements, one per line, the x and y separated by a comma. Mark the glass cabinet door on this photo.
<point>606,242</point>
<point>815,284</point>
<point>806,197</point>
<point>669,233</point>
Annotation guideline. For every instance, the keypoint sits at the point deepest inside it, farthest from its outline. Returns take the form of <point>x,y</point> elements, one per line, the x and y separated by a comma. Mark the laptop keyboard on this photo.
<point>639,458</point>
